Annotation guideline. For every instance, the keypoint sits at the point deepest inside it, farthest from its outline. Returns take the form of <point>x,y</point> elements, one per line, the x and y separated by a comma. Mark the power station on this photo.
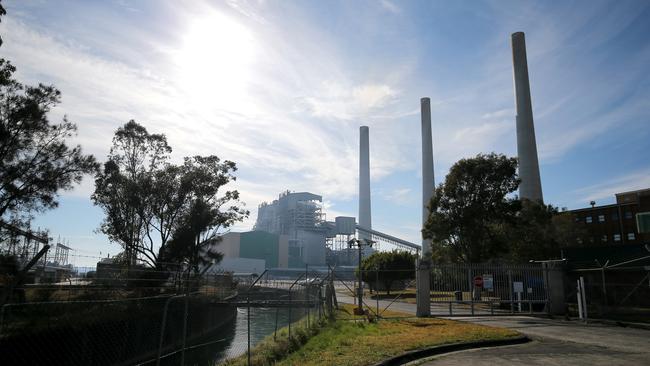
<point>298,233</point>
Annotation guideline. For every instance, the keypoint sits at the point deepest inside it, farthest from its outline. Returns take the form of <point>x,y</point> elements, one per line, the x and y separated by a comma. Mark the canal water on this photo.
<point>232,341</point>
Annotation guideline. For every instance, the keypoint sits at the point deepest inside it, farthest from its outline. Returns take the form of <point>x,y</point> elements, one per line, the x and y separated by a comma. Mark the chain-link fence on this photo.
<point>181,320</point>
<point>484,289</point>
<point>611,292</point>
<point>455,290</point>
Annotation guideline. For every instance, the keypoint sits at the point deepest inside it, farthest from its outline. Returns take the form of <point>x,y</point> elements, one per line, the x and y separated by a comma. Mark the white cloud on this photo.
<point>346,102</point>
<point>606,190</point>
<point>390,6</point>
<point>400,197</point>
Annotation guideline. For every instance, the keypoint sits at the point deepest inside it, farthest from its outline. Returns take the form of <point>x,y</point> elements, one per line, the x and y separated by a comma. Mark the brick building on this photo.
<point>620,223</point>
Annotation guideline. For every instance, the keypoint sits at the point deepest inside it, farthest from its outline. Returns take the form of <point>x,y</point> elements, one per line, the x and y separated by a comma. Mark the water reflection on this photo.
<point>232,340</point>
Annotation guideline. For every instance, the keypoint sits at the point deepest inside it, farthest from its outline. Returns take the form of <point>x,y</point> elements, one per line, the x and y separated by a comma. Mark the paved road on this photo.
<point>556,342</point>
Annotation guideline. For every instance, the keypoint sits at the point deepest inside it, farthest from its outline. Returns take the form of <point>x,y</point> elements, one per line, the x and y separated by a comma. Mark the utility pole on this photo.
<point>360,244</point>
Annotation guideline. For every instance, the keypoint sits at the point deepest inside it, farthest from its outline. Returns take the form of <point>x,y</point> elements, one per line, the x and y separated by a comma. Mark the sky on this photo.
<point>281,88</point>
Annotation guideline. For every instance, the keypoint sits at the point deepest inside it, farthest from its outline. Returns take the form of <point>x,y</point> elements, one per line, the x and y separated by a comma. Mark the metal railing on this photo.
<point>187,321</point>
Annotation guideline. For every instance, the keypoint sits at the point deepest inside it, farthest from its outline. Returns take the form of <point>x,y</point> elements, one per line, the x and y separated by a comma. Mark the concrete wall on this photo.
<point>313,247</point>
<point>229,245</point>
<point>240,265</point>
<point>283,251</point>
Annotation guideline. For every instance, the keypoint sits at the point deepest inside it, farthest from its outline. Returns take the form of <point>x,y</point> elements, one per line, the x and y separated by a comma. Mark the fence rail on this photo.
<point>174,321</point>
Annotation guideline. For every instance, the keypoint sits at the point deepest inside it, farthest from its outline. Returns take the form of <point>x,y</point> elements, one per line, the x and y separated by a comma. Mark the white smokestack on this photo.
<point>423,307</point>
<point>427,169</point>
<point>364,180</point>
<point>531,185</point>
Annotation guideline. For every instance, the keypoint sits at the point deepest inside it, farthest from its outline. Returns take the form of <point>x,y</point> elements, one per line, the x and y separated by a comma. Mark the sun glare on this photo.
<point>215,59</point>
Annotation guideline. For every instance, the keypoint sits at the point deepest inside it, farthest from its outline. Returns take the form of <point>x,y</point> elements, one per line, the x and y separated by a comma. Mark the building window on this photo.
<point>628,214</point>
<point>601,218</point>
<point>630,236</point>
<point>615,216</point>
<point>617,237</point>
<point>579,240</point>
<point>577,219</point>
<point>604,238</point>
<point>588,219</point>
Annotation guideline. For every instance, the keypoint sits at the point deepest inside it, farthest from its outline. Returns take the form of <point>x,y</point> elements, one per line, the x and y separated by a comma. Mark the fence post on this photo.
<point>377,289</point>
<point>512,303</point>
<point>248,324</point>
<point>471,286</point>
<point>579,295</point>
<point>2,318</point>
<point>184,328</point>
<point>584,297</point>
<point>602,272</point>
<point>290,306</point>
<point>162,329</point>
<point>275,331</point>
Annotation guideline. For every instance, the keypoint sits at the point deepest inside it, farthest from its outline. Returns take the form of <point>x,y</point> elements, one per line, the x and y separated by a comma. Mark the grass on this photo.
<point>353,340</point>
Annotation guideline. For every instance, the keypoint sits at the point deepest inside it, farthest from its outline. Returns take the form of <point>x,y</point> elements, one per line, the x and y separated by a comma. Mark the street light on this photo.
<point>359,244</point>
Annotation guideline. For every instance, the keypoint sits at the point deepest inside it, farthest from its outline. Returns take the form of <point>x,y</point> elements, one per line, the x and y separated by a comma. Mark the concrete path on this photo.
<point>556,342</point>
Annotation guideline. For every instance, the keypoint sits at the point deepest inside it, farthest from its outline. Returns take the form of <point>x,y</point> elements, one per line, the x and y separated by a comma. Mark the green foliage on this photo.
<point>474,218</point>
<point>540,231</point>
<point>389,268</point>
<point>36,160</point>
<point>159,212</point>
<point>470,210</point>
<point>124,189</point>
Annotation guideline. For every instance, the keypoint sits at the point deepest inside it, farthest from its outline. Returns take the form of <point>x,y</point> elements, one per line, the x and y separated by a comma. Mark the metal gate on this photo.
<point>482,289</point>
<point>456,290</point>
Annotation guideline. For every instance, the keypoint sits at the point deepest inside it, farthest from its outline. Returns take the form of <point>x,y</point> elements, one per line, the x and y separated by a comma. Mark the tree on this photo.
<point>2,12</point>
<point>389,268</point>
<point>125,187</point>
<point>158,211</point>
<point>470,211</point>
<point>540,231</point>
<point>474,217</point>
<point>36,162</point>
<point>207,213</point>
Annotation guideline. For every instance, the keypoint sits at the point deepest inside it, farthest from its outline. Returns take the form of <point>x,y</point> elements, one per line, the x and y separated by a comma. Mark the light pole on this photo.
<point>360,244</point>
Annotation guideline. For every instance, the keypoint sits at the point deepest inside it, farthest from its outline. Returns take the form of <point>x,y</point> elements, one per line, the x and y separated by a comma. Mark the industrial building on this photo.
<point>625,222</point>
<point>311,238</point>
<point>293,231</point>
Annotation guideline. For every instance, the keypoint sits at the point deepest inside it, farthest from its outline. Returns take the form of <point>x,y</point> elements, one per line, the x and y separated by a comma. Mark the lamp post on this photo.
<point>360,244</point>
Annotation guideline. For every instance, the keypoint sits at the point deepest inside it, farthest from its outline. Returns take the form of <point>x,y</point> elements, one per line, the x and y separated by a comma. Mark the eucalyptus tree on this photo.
<point>123,189</point>
<point>152,206</point>
<point>36,160</point>
<point>207,214</point>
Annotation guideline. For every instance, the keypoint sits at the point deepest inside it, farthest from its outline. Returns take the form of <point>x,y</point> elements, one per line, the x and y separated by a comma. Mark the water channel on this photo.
<point>232,340</point>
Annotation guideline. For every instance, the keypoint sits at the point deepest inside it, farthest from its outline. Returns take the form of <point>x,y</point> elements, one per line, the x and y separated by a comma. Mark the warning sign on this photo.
<point>488,281</point>
<point>478,281</point>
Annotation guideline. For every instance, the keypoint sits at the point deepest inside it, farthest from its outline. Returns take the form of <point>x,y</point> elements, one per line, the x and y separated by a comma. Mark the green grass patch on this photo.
<point>353,340</point>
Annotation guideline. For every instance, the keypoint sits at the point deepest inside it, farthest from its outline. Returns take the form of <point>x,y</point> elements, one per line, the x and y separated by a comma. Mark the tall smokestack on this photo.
<point>531,185</point>
<point>424,266</point>
<point>364,181</point>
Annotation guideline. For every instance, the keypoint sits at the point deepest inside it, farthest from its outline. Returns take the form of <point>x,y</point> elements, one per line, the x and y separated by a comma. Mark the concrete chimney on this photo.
<point>531,185</point>
<point>364,181</point>
<point>424,265</point>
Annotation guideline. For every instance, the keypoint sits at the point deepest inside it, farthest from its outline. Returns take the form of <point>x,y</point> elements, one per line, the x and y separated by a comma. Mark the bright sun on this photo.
<point>215,59</point>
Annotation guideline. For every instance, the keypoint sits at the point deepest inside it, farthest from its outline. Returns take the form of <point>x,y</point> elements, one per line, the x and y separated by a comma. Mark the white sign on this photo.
<point>518,287</point>
<point>488,282</point>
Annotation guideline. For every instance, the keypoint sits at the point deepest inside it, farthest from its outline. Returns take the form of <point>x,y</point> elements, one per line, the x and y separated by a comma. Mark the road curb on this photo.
<point>452,347</point>
<point>620,323</point>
